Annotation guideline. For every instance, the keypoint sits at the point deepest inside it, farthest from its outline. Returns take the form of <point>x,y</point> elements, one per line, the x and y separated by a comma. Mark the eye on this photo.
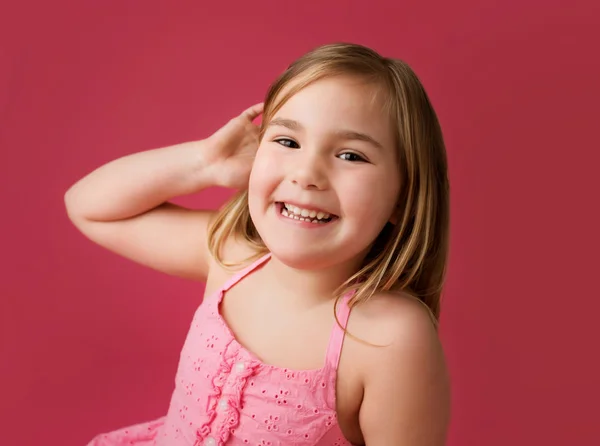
<point>286,142</point>
<point>351,156</point>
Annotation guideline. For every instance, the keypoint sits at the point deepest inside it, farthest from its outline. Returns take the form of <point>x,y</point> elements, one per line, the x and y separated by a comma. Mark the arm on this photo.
<point>407,389</point>
<point>123,206</point>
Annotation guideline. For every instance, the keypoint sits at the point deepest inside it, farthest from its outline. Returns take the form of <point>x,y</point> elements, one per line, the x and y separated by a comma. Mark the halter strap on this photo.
<point>336,340</point>
<point>244,272</point>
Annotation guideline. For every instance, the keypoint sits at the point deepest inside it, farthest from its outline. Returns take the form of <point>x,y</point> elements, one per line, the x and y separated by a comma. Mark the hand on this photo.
<point>232,148</point>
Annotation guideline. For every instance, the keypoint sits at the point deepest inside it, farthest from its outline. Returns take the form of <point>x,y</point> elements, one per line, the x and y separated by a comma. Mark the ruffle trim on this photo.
<point>220,421</point>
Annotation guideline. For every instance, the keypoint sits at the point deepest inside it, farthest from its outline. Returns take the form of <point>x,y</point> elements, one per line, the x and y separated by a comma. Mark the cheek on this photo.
<point>371,198</point>
<point>264,174</point>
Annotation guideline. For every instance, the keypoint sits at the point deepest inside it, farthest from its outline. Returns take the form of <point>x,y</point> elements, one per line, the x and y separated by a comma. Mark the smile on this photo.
<point>313,216</point>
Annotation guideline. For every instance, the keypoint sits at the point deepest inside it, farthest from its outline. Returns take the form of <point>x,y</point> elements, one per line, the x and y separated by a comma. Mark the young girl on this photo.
<point>323,275</point>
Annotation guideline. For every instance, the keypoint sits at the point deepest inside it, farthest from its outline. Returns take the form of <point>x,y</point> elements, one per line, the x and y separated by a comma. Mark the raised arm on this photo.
<point>124,205</point>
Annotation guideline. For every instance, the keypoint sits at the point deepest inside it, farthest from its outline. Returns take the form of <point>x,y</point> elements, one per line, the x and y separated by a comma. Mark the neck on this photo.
<point>310,286</point>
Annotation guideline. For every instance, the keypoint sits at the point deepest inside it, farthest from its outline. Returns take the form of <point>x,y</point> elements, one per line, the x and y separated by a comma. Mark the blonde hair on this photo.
<point>411,255</point>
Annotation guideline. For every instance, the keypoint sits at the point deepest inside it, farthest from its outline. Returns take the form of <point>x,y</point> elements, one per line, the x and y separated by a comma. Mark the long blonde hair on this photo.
<point>411,255</point>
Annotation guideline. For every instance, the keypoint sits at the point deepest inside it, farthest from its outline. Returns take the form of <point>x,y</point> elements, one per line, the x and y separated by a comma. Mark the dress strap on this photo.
<point>244,272</point>
<point>336,340</point>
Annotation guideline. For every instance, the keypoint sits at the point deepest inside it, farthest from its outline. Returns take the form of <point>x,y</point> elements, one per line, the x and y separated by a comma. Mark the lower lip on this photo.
<point>302,224</point>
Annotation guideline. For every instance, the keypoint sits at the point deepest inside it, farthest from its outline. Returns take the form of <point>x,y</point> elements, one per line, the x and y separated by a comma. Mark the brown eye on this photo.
<point>288,143</point>
<point>349,156</point>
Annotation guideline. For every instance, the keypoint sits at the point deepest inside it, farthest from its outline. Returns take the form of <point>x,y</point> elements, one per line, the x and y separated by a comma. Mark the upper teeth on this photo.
<point>305,212</point>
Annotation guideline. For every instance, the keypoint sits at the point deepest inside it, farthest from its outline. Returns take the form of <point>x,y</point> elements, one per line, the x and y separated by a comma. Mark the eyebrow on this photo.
<point>345,134</point>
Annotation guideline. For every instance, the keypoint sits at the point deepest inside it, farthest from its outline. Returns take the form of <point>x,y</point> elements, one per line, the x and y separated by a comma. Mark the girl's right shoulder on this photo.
<point>235,254</point>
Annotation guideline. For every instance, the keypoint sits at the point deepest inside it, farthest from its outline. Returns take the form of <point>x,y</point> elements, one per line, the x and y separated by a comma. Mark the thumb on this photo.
<point>253,112</point>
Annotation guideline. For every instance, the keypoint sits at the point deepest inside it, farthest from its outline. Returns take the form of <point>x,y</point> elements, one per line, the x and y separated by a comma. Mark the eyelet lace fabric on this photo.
<point>225,396</point>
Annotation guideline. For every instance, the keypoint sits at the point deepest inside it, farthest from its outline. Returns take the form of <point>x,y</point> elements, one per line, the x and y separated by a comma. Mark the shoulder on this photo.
<point>405,379</point>
<point>393,318</point>
<point>398,333</point>
<point>404,333</point>
<point>235,251</point>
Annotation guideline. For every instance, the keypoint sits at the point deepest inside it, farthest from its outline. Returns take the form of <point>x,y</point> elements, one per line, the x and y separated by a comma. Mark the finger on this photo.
<point>253,112</point>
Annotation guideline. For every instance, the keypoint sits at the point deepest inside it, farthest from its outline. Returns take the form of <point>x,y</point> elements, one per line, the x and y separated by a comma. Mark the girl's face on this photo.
<point>325,179</point>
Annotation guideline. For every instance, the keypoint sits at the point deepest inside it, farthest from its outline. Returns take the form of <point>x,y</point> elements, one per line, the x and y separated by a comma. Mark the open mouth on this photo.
<point>309,215</point>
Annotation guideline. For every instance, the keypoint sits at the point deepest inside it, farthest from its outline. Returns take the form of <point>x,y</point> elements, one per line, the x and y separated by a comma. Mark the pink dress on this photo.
<point>225,396</point>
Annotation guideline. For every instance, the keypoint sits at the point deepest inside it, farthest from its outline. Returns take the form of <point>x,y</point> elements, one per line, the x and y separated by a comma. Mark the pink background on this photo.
<point>90,342</point>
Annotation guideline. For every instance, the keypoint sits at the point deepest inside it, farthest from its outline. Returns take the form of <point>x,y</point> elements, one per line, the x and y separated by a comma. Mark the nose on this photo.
<point>309,171</point>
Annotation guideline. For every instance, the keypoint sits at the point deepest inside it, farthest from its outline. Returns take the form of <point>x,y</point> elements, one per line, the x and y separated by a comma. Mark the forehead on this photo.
<point>342,102</point>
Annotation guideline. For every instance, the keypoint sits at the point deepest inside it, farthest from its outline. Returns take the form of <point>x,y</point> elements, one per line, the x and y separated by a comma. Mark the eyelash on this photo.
<point>280,140</point>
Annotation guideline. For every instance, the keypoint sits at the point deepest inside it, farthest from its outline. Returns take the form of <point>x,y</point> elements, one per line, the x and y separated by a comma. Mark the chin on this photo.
<point>302,258</point>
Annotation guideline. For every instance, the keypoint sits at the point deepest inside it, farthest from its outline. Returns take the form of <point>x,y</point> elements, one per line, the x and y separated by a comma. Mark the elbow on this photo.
<point>73,212</point>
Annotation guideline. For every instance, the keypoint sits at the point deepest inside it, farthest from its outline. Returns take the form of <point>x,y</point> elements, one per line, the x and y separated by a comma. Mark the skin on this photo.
<point>309,155</point>
<point>397,393</point>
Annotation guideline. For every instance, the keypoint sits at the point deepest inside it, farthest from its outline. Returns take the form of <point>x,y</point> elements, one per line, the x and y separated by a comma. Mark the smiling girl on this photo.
<point>323,274</point>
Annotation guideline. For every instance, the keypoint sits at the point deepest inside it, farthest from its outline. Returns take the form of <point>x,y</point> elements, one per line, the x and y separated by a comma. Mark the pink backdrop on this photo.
<point>90,342</point>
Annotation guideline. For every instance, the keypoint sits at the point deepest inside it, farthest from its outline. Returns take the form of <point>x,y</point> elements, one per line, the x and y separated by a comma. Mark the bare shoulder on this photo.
<point>392,318</point>
<point>405,378</point>
<point>235,251</point>
<point>396,330</point>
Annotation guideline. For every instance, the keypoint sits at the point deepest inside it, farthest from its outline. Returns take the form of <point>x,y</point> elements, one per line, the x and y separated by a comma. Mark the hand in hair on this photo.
<point>125,205</point>
<point>232,149</point>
